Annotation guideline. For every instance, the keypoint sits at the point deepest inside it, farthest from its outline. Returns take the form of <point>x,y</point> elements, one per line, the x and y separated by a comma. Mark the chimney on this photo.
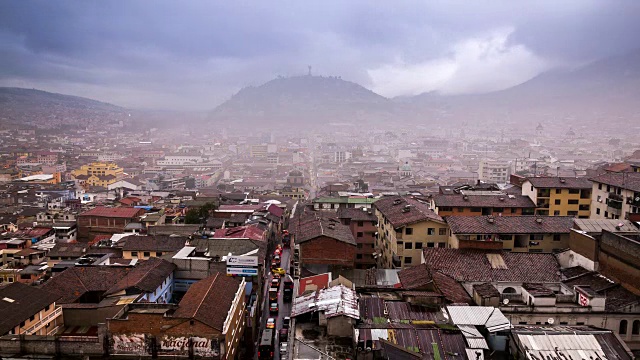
<point>490,219</point>
<point>539,220</point>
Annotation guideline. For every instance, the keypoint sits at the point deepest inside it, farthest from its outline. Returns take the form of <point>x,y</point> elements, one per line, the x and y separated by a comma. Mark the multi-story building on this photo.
<point>98,174</point>
<point>559,196</point>
<point>494,171</point>
<point>28,310</point>
<point>510,233</point>
<point>102,220</point>
<point>477,203</point>
<point>343,200</point>
<point>364,225</point>
<point>405,227</point>
<point>616,196</point>
<point>259,151</point>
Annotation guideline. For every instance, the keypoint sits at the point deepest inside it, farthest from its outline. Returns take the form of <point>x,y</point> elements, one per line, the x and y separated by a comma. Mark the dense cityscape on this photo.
<point>308,217</point>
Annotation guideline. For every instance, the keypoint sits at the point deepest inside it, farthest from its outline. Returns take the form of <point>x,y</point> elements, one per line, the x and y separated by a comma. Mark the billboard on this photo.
<point>242,271</point>
<point>247,261</point>
<point>135,344</point>
<point>180,345</point>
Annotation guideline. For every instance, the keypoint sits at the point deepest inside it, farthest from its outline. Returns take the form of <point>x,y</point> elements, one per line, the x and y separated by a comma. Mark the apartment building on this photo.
<point>98,174</point>
<point>494,171</point>
<point>28,310</point>
<point>510,233</point>
<point>405,227</point>
<point>478,203</point>
<point>363,224</point>
<point>616,196</point>
<point>559,196</point>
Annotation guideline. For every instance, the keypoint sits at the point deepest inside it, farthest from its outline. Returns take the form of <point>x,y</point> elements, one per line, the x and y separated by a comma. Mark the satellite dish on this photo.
<point>505,301</point>
<point>550,321</point>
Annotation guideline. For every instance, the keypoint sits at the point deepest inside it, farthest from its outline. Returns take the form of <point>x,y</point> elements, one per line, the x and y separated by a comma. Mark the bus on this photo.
<point>266,347</point>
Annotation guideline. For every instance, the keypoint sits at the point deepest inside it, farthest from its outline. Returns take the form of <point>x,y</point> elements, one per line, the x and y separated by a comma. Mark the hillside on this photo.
<point>44,109</point>
<point>604,89</point>
<point>304,100</point>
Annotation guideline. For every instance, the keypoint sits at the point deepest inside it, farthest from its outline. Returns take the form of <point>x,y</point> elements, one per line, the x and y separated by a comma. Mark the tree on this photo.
<point>196,215</point>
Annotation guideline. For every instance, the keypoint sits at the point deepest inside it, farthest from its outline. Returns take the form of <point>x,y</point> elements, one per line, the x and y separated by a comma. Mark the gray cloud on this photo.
<point>195,54</point>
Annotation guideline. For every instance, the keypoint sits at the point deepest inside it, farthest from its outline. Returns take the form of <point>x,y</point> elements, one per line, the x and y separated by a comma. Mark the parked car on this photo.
<point>273,308</point>
<point>271,323</point>
<point>279,271</point>
<point>283,334</point>
<point>285,322</point>
<point>283,348</point>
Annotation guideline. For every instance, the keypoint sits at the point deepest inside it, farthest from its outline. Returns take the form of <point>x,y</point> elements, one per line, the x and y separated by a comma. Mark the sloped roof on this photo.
<point>356,214</point>
<point>492,318</point>
<point>146,276</point>
<point>485,266</point>
<point>334,301</point>
<point>555,182</point>
<point>154,243</point>
<point>27,301</point>
<point>625,180</point>
<point>118,212</point>
<point>209,300</point>
<point>393,209</point>
<point>510,224</point>
<point>75,281</point>
<point>312,226</point>
<point>471,200</point>
<point>248,231</point>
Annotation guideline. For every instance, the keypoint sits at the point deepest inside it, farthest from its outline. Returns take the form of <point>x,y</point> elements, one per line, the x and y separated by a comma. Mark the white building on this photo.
<point>497,171</point>
<point>615,195</point>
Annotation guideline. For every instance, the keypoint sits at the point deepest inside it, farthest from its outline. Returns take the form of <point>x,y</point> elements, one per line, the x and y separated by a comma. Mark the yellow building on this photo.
<point>33,311</point>
<point>99,174</point>
<point>405,227</point>
<point>559,196</point>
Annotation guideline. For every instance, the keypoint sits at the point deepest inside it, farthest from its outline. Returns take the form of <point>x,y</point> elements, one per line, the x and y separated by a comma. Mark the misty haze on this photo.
<point>320,180</point>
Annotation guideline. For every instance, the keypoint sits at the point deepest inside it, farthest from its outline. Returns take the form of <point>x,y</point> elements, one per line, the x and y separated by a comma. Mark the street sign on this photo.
<point>242,271</point>
<point>241,261</point>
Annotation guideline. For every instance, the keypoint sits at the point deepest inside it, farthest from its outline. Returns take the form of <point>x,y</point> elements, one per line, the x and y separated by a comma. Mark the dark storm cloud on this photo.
<point>195,54</point>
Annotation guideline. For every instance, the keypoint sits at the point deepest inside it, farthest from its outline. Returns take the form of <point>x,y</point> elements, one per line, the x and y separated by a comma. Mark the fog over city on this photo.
<point>359,180</point>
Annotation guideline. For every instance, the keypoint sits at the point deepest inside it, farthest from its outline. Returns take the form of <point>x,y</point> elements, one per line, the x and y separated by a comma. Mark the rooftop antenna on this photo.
<point>309,66</point>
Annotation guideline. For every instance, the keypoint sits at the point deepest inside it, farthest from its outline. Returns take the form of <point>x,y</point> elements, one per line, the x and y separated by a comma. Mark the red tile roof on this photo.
<point>311,226</point>
<point>119,212</point>
<point>393,209</point>
<point>554,182</point>
<point>241,232</point>
<point>625,180</point>
<point>470,200</point>
<point>146,276</point>
<point>510,224</point>
<point>209,300</point>
<point>484,266</point>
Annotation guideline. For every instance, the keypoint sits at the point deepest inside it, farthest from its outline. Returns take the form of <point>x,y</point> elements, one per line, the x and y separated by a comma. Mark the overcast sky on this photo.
<point>192,55</point>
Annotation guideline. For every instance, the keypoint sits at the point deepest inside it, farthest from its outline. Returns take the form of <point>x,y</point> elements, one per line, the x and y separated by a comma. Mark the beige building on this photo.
<point>510,233</point>
<point>99,174</point>
<point>558,196</point>
<point>615,195</point>
<point>494,171</point>
<point>405,227</point>
<point>28,311</point>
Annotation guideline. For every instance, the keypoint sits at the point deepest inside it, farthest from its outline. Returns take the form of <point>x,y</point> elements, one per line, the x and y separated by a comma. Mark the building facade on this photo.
<point>557,196</point>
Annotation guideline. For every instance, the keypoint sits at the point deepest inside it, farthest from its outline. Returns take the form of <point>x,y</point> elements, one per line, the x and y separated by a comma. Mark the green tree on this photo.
<point>195,215</point>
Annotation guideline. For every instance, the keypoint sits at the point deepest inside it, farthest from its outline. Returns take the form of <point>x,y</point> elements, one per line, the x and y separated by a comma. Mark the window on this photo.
<point>158,253</point>
<point>442,231</point>
<point>536,237</point>
<point>147,254</point>
<point>431,231</point>
<point>460,209</point>
<point>476,209</point>
<point>408,231</point>
<point>22,324</point>
<point>359,246</point>
<point>598,211</point>
<point>498,209</point>
<point>347,221</point>
<point>599,186</point>
<point>558,202</point>
<point>446,208</point>
<point>556,213</point>
<point>358,256</point>
<point>430,244</point>
<point>134,254</point>
<point>418,245</point>
<point>608,188</point>
<point>513,210</point>
<point>558,191</point>
<point>556,237</point>
<point>574,191</point>
<point>192,322</point>
<point>522,323</point>
<point>407,259</point>
<point>573,202</point>
<point>531,187</point>
<point>622,330</point>
<point>359,234</point>
<point>564,323</point>
<point>606,214</point>
<point>47,308</point>
<point>10,279</point>
<point>360,223</point>
<point>408,246</point>
<point>33,317</point>
<point>635,329</point>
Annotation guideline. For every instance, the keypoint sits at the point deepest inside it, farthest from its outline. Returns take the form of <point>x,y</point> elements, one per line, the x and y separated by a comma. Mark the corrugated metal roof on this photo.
<point>334,301</point>
<point>576,346</point>
<point>491,318</point>
<point>475,354</point>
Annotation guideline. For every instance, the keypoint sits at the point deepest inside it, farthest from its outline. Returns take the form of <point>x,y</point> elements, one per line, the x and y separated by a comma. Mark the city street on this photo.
<point>284,308</point>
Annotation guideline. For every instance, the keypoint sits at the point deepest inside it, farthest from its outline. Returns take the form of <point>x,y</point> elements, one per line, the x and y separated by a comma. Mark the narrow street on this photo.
<point>284,307</point>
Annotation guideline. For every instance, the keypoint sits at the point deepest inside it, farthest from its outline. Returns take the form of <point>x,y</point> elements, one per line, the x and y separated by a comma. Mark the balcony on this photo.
<point>614,203</point>
<point>44,321</point>
<point>635,200</point>
<point>615,197</point>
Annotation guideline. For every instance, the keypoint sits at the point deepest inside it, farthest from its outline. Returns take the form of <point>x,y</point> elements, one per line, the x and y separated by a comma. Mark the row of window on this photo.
<point>419,245</point>
<point>635,327</point>
<point>476,209</point>
<point>430,231</point>
<point>145,254</point>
